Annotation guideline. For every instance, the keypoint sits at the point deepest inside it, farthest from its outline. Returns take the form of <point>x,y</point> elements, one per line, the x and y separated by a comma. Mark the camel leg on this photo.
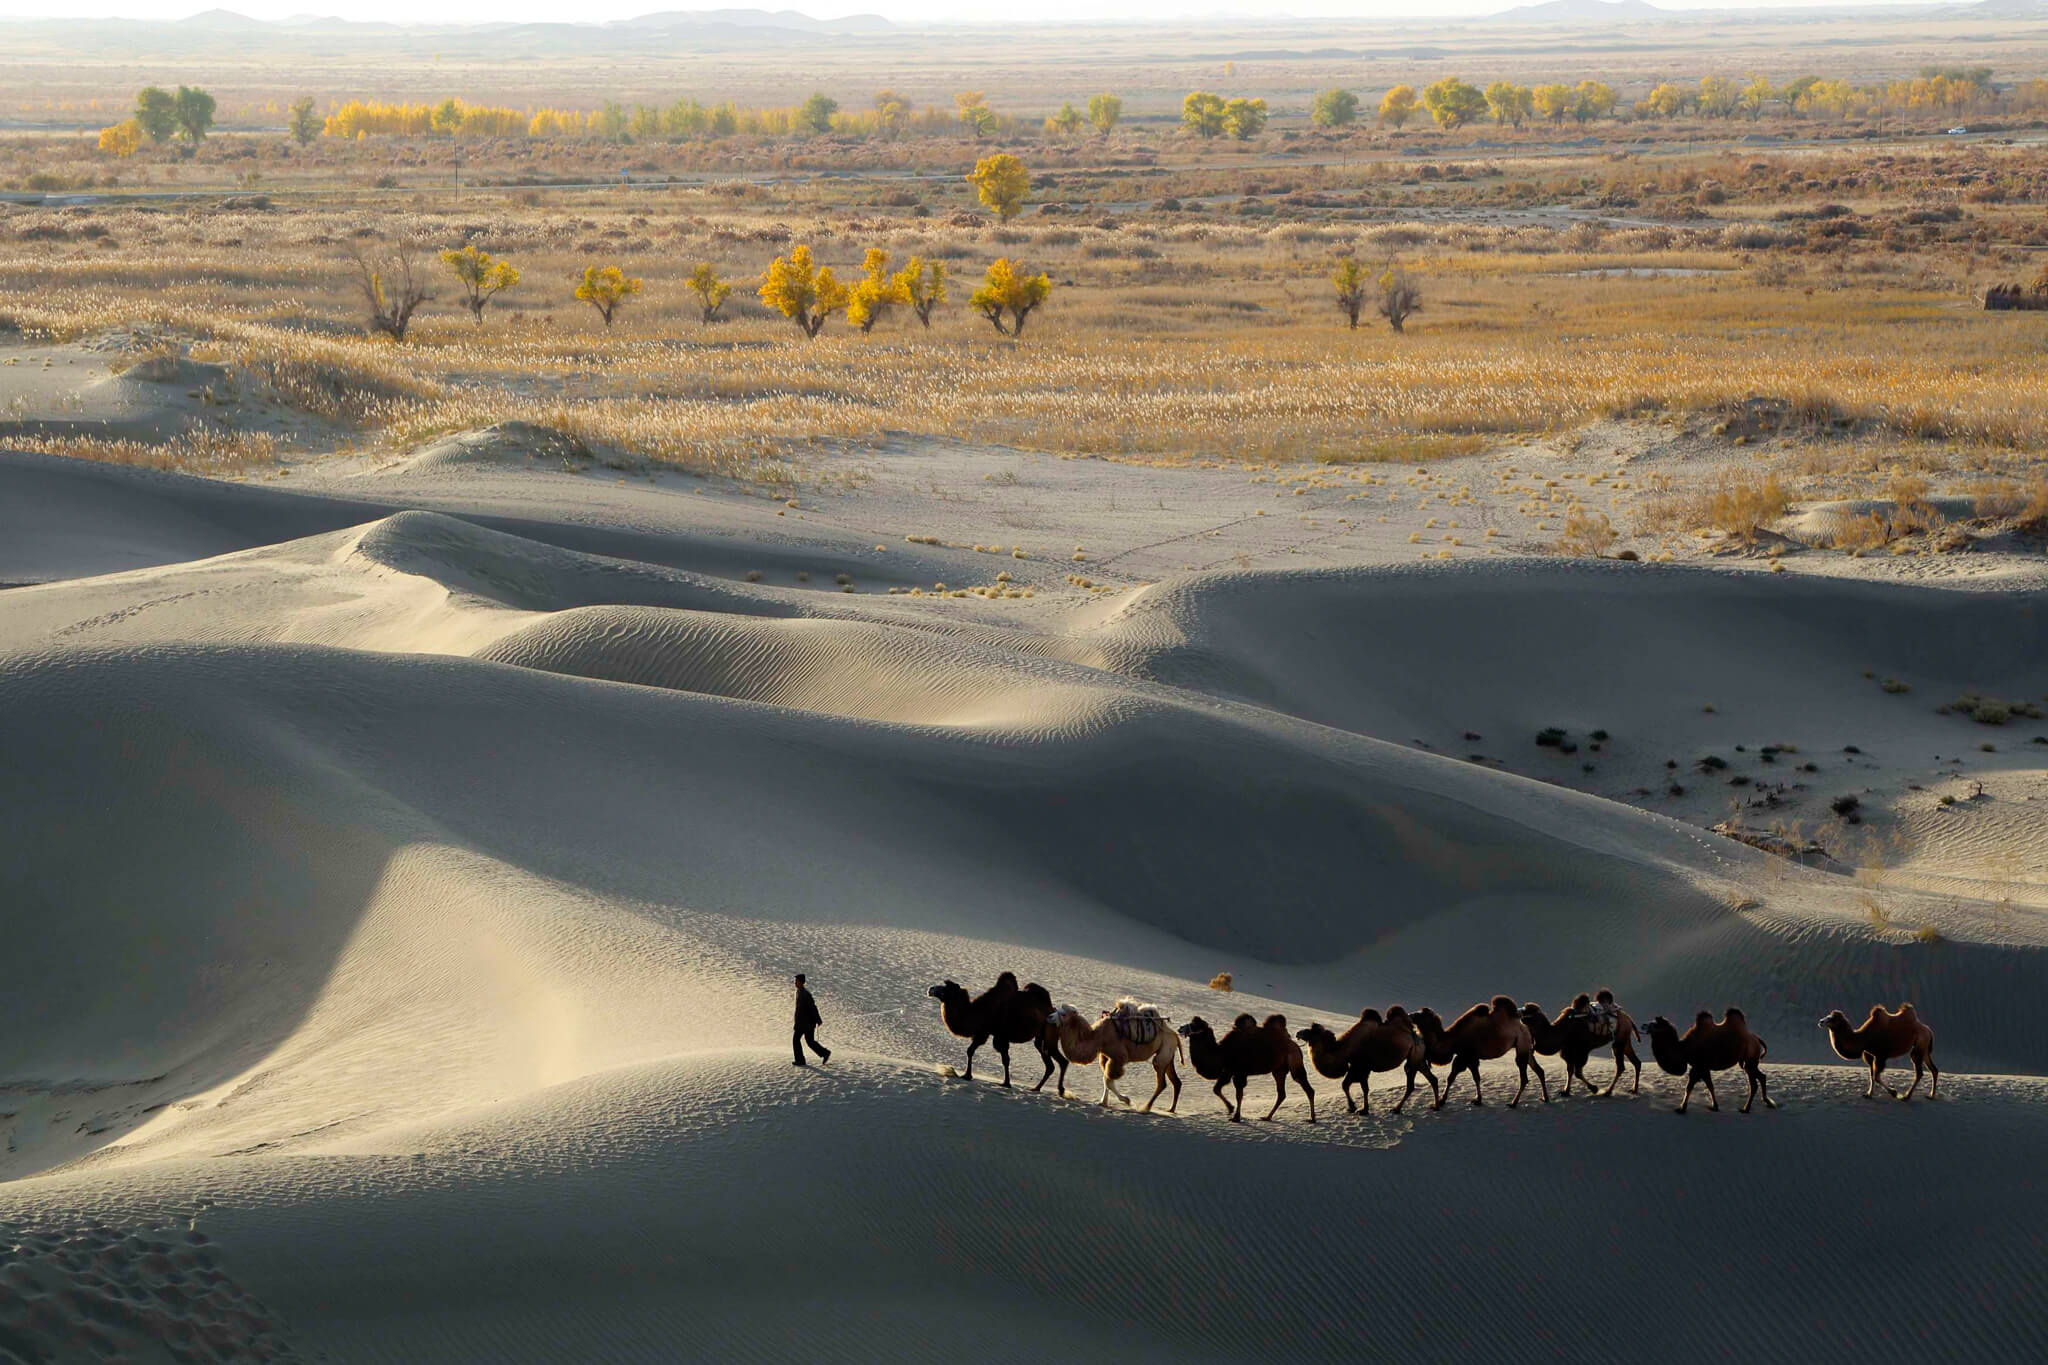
<point>1237,1088</point>
<point>1351,1105</point>
<point>1108,1088</point>
<point>1428,1074</point>
<point>1158,1085</point>
<point>1046,1057</point>
<point>970,1055</point>
<point>1365,1088</point>
<point>1934,1090</point>
<point>1917,1068</point>
<point>1279,1095</point>
<point>1691,1079</point>
<point>1754,1077</point>
<point>1522,1069</point>
<point>1478,1090</point>
<point>1763,1085</point>
<point>1877,1074</point>
<point>1173,1074</point>
<point>1301,1079</point>
<point>1225,1098</point>
<point>1713,1100</point>
<point>1003,1051</point>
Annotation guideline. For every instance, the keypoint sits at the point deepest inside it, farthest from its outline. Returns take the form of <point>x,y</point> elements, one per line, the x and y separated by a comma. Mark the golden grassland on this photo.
<point>1204,334</point>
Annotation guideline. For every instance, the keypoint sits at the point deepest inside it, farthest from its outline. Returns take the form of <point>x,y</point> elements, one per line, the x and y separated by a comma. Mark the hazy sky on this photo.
<point>909,11</point>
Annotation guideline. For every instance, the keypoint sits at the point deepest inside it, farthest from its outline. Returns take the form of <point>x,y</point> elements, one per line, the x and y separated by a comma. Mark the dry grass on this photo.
<point>1168,337</point>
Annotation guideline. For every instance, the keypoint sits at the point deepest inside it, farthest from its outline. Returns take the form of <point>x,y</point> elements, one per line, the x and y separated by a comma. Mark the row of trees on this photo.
<point>808,294</point>
<point>161,116</point>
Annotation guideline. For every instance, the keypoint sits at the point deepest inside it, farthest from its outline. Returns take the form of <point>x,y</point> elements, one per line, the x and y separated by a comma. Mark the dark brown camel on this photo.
<point>1007,1013</point>
<point>1249,1049</point>
<point>1372,1044</point>
<point>1883,1037</point>
<point>1708,1047</point>
<point>1478,1035</point>
<point>1577,1033</point>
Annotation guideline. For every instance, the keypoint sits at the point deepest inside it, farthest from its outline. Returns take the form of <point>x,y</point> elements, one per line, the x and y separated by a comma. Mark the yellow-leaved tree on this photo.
<point>924,286</point>
<point>481,276</point>
<point>1398,105</point>
<point>1002,182</point>
<point>1352,282</point>
<point>606,288</point>
<point>804,294</point>
<point>874,292</point>
<point>122,139</point>
<point>1009,291</point>
<point>710,291</point>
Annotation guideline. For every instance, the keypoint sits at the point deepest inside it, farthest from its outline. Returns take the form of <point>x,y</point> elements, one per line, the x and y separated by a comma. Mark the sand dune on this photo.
<point>452,876</point>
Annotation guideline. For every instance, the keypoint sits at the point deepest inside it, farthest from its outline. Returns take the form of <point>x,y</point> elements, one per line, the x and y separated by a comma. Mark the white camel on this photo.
<point>1130,1033</point>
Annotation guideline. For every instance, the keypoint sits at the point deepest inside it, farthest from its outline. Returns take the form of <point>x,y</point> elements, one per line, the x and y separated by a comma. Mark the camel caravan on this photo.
<point>1413,1044</point>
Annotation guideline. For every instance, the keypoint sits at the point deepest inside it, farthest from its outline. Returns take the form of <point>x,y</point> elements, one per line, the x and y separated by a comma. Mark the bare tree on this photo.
<point>393,289</point>
<point>1399,297</point>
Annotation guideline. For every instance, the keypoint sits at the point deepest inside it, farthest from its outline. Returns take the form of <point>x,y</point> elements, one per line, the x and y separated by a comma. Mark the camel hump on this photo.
<point>1504,1002</point>
<point>1369,1015</point>
<point>1906,1011</point>
<point>1475,1013</point>
<point>1735,1016</point>
<point>1276,1022</point>
<point>1244,1021</point>
<point>1038,993</point>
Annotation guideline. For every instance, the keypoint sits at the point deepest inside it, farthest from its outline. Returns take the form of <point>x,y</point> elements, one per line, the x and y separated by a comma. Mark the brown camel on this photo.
<point>1249,1049</point>
<point>1130,1033</point>
<point>1372,1044</point>
<point>1708,1047</point>
<point>1007,1013</point>
<point>1478,1035</point>
<point>1578,1032</point>
<point>1884,1036</point>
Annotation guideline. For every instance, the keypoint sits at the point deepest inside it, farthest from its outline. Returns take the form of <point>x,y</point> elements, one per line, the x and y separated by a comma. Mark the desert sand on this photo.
<point>405,867</point>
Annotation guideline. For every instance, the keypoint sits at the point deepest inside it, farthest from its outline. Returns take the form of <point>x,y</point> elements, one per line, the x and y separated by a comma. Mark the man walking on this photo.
<point>807,1021</point>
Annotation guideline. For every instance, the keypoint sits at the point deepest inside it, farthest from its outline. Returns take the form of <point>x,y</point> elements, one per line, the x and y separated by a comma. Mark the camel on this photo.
<point>1007,1013</point>
<point>1708,1047</point>
<point>1885,1035</point>
<point>1478,1035</point>
<point>1117,1047</point>
<point>1249,1049</point>
<point>1577,1033</point>
<point>1372,1044</point>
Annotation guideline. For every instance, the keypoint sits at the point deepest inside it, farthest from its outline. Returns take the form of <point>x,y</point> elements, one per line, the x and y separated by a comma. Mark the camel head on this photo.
<point>1065,1013</point>
<point>946,990</point>
<point>1428,1018</point>
<point>1834,1019</point>
<point>1533,1013</point>
<point>1583,1002</point>
<point>1315,1035</point>
<point>1194,1026</point>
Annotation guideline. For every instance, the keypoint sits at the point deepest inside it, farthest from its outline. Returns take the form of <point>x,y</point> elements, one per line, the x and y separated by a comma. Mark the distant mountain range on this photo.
<point>1583,12</point>
<point>207,32</point>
